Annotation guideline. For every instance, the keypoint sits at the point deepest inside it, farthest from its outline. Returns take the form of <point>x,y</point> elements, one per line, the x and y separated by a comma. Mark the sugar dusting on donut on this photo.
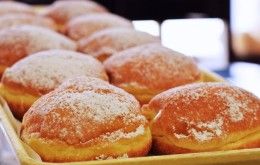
<point>235,107</point>
<point>229,107</point>
<point>34,39</point>
<point>87,100</point>
<point>63,11</point>
<point>20,41</point>
<point>14,7</point>
<point>87,24</point>
<point>10,20</point>
<point>45,70</point>
<point>209,129</point>
<point>106,106</point>
<point>44,39</point>
<point>119,134</point>
<point>106,100</point>
<point>77,7</point>
<point>114,39</point>
<point>152,66</point>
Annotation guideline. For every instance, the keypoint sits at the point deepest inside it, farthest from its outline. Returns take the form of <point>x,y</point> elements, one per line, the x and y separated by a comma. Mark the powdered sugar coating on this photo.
<point>10,20</point>
<point>84,110</point>
<point>205,131</point>
<point>44,71</point>
<point>119,134</point>
<point>20,41</point>
<point>105,157</point>
<point>206,111</point>
<point>14,7</point>
<point>109,41</point>
<point>48,39</point>
<point>63,10</point>
<point>85,25</point>
<point>235,108</point>
<point>152,67</point>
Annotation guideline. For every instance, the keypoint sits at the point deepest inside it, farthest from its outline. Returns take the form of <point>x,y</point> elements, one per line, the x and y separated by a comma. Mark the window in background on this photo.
<point>245,25</point>
<point>246,75</point>
<point>149,26</point>
<point>202,38</point>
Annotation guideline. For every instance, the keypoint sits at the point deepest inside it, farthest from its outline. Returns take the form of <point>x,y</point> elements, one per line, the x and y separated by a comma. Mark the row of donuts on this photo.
<point>73,118</point>
<point>40,73</point>
<point>34,75</point>
<point>13,15</point>
<point>86,118</point>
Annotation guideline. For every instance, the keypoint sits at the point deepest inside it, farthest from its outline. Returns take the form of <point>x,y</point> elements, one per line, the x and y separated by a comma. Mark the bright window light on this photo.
<point>246,75</point>
<point>204,39</point>
<point>245,16</point>
<point>149,26</point>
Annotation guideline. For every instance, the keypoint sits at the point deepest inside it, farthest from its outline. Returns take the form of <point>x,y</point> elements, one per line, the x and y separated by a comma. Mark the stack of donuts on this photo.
<point>87,86</point>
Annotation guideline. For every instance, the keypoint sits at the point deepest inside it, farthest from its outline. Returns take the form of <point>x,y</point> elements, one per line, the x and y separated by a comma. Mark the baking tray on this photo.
<point>28,157</point>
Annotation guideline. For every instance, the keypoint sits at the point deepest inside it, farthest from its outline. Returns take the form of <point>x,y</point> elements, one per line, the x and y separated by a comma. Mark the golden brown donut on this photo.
<point>147,70</point>
<point>86,119</point>
<point>85,25</point>
<point>7,7</point>
<point>10,20</point>
<point>63,10</point>
<point>204,117</point>
<point>20,41</point>
<point>105,43</point>
<point>40,73</point>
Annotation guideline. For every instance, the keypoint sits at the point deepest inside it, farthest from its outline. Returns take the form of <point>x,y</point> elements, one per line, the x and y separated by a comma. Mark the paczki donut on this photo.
<point>19,41</point>
<point>10,20</point>
<point>85,25</point>
<point>86,119</point>
<point>40,73</point>
<point>63,10</point>
<point>107,42</point>
<point>147,70</point>
<point>7,7</point>
<point>204,117</point>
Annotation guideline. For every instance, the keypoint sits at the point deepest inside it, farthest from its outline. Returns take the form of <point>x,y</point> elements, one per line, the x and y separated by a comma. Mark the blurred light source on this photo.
<point>245,15</point>
<point>245,24</point>
<point>149,26</point>
<point>246,75</point>
<point>203,38</point>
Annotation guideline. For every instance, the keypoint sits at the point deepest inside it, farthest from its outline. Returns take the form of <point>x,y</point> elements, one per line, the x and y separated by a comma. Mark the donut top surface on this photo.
<point>20,41</point>
<point>87,24</point>
<point>44,71</point>
<point>63,10</point>
<point>14,7</point>
<point>83,110</point>
<point>10,20</point>
<point>151,66</point>
<point>113,40</point>
<point>206,111</point>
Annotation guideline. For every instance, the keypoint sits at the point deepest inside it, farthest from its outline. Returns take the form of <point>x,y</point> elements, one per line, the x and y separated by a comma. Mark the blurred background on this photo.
<point>222,35</point>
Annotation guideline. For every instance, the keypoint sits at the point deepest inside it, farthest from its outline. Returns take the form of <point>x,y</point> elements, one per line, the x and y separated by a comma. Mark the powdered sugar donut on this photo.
<point>86,119</point>
<point>20,41</point>
<point>63,10</point>
<point>10,20</point>
<point>147,70</point>
<point>7,7</point>
<point>85,25</point>
<point>107,42</point>
<point>41,73</point>
<point>204,117</point>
